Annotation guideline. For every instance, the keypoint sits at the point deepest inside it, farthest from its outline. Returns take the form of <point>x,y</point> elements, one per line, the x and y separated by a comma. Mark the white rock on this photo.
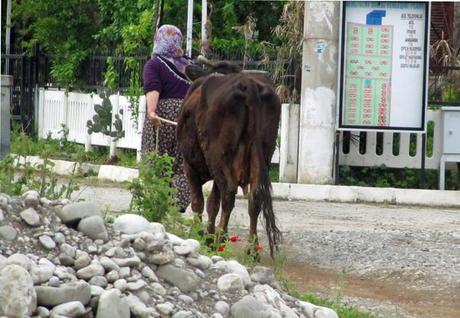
<point>120,284</point>
<point>42,272</point>
<point>235,267</point>
<point>131,224</point>
<point>230,282</point>
<point>165,309</point>
<point>31,198</point>
<point>111,305</point>
<point>94,269</point>
<point>174,239</point>
<point>202,262</point>
<point>108,264</point>
<point>314,311</point>
<point>31,217</point>
<point>188,247</point>
<point>47,242</point>
<point>158,289</point>
<point>222,307</point>
<point>138,308</point>
<point>70,309</point>
<point>17,293</point>
<point>147,272</point>
<point>136,285</point>
<point>20,260</point>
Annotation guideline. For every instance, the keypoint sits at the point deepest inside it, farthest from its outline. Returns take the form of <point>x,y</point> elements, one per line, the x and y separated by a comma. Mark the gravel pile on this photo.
<point>61,259</point>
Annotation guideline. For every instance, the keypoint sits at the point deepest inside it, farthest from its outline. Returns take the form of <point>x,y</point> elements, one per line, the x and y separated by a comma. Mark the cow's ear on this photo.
<point>194,72</point>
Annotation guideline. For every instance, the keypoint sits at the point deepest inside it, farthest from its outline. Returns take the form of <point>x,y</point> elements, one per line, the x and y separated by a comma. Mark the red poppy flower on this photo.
<point>233,238</point>
<point>258,248</point>
<point>221,249</point>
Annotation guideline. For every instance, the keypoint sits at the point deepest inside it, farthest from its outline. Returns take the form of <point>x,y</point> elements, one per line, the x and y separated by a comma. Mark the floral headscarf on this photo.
<point>167,44</point>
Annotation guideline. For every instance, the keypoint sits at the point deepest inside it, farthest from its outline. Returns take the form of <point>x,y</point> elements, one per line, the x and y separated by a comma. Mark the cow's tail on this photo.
<point>261,189</point>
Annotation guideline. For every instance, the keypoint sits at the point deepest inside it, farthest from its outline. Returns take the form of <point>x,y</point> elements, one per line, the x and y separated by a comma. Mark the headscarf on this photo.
<point>167,44</point>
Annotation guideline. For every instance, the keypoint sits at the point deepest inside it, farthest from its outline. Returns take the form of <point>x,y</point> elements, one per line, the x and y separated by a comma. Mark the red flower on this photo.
<point>221,249</point>
<point>258,248</point>
<point>233,238</point>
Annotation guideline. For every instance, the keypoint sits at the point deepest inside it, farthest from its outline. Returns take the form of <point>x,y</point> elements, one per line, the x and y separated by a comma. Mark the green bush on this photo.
<point>153,194</point>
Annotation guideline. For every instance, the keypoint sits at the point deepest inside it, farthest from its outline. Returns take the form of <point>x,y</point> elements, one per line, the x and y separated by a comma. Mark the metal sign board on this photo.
<point>383,66</point>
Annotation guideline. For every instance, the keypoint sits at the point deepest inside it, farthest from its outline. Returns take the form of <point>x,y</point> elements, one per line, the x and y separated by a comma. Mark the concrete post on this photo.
<point>289,144</point>
<point>319,92</point>
<point>5,106</point>
<point>188,49</point>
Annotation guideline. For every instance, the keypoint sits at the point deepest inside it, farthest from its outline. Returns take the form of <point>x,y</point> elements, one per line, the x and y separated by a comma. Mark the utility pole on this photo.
<point>319,92</point>
<point>204,22</point>
<point>8,37</point>
<point>189,28</point>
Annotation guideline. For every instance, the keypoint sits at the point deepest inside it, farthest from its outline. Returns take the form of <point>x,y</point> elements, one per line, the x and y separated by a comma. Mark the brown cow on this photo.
<point>227,132</point>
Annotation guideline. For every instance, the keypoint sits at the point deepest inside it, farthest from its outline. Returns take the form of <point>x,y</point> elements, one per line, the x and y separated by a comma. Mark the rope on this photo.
<point>157,132</point>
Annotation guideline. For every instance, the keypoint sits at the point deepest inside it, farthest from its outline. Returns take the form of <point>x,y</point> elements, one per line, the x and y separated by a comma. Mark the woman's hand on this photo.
<point>153,117</point>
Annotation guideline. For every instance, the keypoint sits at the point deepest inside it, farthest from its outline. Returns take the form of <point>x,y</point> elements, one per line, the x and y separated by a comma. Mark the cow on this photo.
<point>226,132</point>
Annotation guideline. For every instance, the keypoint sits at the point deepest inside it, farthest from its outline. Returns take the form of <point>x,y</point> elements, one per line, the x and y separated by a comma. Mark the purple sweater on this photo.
<point>162,76</point>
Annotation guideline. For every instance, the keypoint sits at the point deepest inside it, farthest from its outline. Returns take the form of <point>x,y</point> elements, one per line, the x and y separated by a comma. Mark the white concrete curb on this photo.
<point>291,191</point>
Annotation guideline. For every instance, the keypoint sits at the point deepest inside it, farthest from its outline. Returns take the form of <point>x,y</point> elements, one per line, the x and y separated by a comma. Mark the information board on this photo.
<point>383,65</point>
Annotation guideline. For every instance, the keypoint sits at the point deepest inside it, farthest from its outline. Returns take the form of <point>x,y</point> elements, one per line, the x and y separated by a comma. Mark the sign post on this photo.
<point>384,60</point>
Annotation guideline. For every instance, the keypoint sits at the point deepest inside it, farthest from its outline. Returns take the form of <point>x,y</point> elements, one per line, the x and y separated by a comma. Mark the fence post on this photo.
<point>289,143</point>
<point>115,108</point>
<point>140,125</point>
<point>5,131</point>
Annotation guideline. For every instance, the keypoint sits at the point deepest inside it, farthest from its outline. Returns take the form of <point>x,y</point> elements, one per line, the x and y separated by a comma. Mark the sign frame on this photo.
<point>341,78</point>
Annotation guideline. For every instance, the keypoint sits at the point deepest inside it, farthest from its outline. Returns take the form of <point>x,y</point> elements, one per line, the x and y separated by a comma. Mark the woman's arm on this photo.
<point>152,102</point>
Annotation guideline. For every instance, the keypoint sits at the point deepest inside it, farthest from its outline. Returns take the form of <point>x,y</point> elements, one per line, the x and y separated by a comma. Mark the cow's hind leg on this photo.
<point>196,191</point>
<point>212,207</point>
<point>228,203</point>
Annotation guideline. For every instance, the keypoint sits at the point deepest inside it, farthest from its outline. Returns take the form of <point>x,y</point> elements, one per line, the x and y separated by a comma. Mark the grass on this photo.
<point>22,144</point>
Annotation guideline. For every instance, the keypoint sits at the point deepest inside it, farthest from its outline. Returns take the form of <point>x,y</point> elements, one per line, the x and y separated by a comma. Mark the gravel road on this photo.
<point>395,261</point>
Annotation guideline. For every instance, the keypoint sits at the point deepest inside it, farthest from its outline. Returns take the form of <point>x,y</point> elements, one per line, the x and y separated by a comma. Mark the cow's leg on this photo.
<point>212,207</point>
<point>196,190</point>
<point>254,208</point>
<point>228,203</point>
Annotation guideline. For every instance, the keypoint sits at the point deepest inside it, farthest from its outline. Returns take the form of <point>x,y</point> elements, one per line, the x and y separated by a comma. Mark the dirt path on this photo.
<point>395,261</point>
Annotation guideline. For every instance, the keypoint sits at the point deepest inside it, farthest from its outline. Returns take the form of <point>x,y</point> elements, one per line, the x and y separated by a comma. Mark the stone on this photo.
<point>230,282</point>
<point>127,262</point>
<point>202,262</point>
<point>174,239</point>
<point>266,294</point>
<point>59,238</point>
<point>17,294</point>
<point>20,260</point>
<point>120,284</point>
<point>158,289</point>
<point>68,250</point>
<point>138,308</point>
<point>72,213</point>
<point>94,228</point>
<point>163,257</point>
<point>3,261</point>
<point>186,299</point>
<point>31,198</point>
<point>184,314</point>
<point>250,307</point>
<point>8,233</point>
<point>53,296</point>
<point>136,285</point>
<point>111,305</point>
<point>185,280</point>
<point>131,224</point>
<point>314,311</point>
<point>42,312</point>
<point>165,308</point>
<point>66,260</point>
<point>96,290</point>
<point>54,282</point>
<point>124,272</point>
<point>112,276</point>
<point>188,247</point>
<point>70,309</point>
<point>108,264</point>
<point>42,272</point>
<point>47,242</point>
<point>147,272</point>
<point>2,217</point>
<point>233,266</point>
<point>31,217</point>
<point>94,269</point>
<point>100,281</point>
<point>222,307</point>
<point>262,275</point>
<point>82,261</point>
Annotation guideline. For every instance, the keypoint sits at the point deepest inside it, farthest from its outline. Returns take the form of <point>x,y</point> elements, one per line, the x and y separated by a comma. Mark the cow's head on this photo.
<point>195,71</point>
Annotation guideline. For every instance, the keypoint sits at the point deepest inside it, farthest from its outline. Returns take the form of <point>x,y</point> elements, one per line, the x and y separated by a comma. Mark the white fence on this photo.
<point>57,108</point>
<point>394,153</point>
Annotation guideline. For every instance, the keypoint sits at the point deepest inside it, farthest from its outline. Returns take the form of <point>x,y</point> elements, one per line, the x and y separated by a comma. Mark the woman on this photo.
<point>165,86</point>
